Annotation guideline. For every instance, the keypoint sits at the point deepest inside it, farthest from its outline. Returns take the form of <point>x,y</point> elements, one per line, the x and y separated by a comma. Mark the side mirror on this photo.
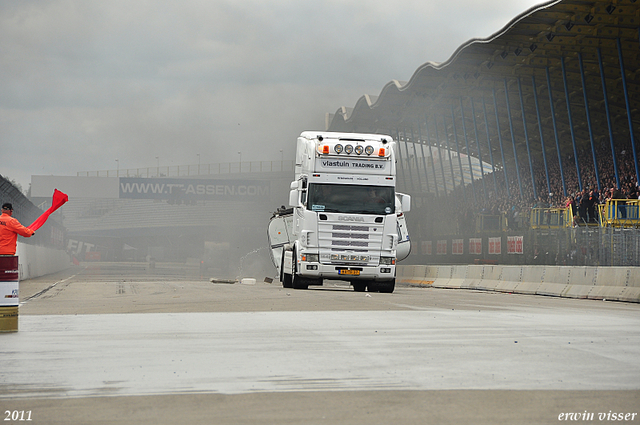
<point>293,198</point>
<point>293,185</point>
<point>406,203</point>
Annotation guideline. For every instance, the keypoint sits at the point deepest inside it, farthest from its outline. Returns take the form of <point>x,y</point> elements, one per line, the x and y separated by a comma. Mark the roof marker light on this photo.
<point>325,149</point>
<point>338,148</point>
<point>368,150</point>
<point>359,150</point>
<point>348,149</point>
<point>381,152</point>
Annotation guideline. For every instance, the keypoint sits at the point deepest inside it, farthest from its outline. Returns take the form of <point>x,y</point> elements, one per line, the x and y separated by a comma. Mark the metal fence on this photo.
<point>620,246</point>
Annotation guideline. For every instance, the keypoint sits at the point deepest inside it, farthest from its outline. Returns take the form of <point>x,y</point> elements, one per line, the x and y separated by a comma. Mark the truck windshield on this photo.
<point>354,199</point>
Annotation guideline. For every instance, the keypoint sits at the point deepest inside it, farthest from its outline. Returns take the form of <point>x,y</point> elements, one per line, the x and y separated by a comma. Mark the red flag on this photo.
<point>59,199</point>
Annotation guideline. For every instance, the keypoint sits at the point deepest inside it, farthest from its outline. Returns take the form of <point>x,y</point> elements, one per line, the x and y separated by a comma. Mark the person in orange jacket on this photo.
<point>10,228</point>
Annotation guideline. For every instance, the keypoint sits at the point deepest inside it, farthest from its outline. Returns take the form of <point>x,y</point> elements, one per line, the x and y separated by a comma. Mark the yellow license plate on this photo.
<point>350,272</point>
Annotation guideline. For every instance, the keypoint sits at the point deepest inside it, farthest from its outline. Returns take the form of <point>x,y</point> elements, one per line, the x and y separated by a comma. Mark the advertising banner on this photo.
<point>442,247</point>
<point>457,247</point>
<point>475,245</point>
<point>426,248</point>
<point>515,244</point>
<point>193,189</point>
<point>495,246</point>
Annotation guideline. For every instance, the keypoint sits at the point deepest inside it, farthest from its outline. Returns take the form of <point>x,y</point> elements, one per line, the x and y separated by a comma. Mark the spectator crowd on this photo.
<point>467,202</point>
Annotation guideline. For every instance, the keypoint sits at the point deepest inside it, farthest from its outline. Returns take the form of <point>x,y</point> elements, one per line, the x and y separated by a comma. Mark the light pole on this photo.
<point>281,160</point>
<point>198,163</point>
<point>158,170</point>
<point>117,168</point>
<point>240,167</point>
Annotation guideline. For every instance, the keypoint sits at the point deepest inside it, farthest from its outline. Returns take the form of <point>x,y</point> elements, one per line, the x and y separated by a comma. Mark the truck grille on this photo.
<point>346,227</point>
<point>350,235</point>
<point>349,243</point>
<point>335,237</point>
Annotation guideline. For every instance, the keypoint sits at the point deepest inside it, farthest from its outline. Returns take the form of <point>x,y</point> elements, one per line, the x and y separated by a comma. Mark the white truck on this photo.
<point>345,221</point>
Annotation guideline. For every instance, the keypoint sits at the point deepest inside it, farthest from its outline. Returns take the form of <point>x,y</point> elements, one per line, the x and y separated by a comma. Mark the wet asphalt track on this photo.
<point>125,332</point>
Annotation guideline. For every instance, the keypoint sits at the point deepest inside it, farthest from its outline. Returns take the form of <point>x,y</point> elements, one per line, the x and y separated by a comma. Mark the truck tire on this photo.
<point>359,285</point>
<point>284,277</point>
<point>300,282</point>
<point>386,287</point>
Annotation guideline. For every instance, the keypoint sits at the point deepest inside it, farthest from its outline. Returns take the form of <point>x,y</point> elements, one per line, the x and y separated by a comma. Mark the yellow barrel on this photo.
<point>9,298</point>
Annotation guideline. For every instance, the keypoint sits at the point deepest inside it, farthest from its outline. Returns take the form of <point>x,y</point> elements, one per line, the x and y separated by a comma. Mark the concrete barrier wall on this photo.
<point>611,283</point>
<point>35,261</point>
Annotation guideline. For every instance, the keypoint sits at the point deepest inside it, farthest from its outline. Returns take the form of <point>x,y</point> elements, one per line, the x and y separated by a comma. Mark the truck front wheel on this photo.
<point>386,287</point>
<point>300,283</point>
<point>359,286</point>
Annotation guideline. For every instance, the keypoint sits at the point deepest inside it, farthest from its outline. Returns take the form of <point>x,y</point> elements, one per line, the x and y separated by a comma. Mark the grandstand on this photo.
<point>548,108</point>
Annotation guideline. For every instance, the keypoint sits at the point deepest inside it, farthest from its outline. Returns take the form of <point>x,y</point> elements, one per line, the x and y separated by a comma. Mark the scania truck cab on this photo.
<point>346,220</point>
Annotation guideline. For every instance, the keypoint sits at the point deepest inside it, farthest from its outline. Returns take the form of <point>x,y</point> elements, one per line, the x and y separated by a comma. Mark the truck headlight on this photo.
<point>311,258</point>
<point>387,261</point>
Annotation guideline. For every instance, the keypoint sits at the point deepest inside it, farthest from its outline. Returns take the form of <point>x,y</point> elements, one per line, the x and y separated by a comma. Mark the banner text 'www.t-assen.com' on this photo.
<point>198,189</point>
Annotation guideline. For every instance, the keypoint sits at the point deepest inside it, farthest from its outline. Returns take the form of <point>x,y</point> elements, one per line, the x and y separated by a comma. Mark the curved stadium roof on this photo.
<point>559,50</point>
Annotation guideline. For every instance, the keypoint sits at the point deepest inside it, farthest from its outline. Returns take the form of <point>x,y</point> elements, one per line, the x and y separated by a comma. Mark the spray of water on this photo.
<point>256,264</point>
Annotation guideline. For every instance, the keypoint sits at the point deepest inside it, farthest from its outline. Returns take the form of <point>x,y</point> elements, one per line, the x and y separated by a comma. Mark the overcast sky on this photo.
<point>83,83</point>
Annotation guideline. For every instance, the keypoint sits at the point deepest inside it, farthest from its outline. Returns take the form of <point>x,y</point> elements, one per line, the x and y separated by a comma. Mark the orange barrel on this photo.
<point>9,299</point>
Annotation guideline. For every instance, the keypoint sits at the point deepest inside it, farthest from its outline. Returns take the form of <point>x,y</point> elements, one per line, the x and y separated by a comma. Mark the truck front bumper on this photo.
<point>347,272</point>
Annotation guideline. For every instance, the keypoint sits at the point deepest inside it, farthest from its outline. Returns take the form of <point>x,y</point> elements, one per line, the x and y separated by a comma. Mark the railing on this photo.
<point>196,169</point>
<point>613,213</point>
<point>490,223</point>
<point>550,218</point>
<point>620,213</point>
<point>500,222</point>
